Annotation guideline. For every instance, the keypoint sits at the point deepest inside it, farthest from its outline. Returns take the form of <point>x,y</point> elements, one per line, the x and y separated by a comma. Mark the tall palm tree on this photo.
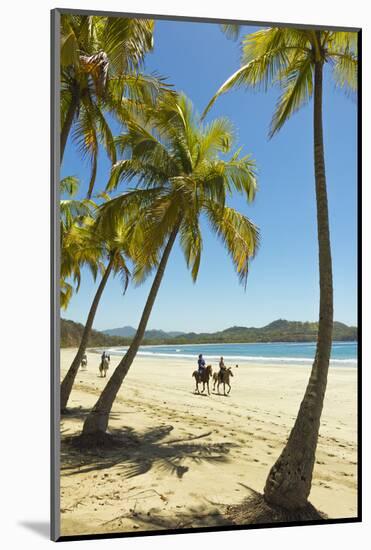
<point>180,177</point>
<point>295,59</point>
<point>97,247</point>
<point>100,62</point>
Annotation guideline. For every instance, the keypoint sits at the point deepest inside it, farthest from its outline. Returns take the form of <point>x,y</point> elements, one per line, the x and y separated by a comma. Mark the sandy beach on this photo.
<point>189,455</point>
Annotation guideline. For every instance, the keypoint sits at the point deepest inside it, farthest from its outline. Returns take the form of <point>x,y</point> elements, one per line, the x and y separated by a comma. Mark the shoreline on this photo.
<point>279,361</point>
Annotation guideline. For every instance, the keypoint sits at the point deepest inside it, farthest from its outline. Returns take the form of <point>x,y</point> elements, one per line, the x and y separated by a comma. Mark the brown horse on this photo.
<point>222,377</point>
<point>203,377</point>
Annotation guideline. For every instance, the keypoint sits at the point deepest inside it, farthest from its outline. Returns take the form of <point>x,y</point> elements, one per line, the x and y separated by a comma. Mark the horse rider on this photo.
<point>201,364</point>
<point>222,369</point>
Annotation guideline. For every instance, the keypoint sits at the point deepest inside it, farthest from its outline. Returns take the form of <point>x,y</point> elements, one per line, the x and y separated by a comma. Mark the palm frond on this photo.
<point>69,185</point>
<point>231,30</point>
<point>191,244</point>
<point>297,85</point>
<point>345,71</point>
<point>238,234</point>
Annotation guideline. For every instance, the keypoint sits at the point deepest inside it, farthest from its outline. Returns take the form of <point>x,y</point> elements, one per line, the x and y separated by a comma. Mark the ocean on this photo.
<point>344,354</point>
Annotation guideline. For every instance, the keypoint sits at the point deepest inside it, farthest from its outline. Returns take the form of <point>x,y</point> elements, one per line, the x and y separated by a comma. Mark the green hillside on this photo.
<point>277,331</point>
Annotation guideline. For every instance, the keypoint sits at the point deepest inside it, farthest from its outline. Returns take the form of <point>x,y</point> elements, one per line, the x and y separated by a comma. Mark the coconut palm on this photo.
<point>295,60</point>
<point>82,246</point>
<point>176,162</point>
<point>114,248</point>
<point>100,59</point>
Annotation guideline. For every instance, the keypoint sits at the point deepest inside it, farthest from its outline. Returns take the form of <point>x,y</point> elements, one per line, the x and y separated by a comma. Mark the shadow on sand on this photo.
<point>80,413</point>
<point>254,510</point>
<point>137,453</point>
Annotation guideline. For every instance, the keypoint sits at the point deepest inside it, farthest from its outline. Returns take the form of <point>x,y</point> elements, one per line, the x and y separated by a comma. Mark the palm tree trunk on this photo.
<point>289,481</point>
<point>69,119</point>
<point>69,379</point>
<point>97,421</point>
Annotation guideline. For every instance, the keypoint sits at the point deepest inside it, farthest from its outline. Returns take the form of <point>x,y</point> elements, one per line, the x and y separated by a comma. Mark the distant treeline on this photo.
<point>277,331</point>
<point>71,334</point>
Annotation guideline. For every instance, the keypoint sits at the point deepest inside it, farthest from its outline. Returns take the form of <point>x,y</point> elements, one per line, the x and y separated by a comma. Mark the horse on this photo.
<point>84,362</point>
<point>103,367</point>
<point>222,377</point>
<point>203,377</point>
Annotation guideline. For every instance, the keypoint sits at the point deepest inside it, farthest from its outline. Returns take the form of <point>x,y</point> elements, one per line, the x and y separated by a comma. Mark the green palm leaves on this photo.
<point>181,172</point>
<point>175,162</point>
<point>75,251</point>
<point>100,58</point>
<point>83,244</point>
<point>286,57</point>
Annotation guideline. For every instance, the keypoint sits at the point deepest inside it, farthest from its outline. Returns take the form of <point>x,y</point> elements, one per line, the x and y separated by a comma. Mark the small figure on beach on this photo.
<point>201,363</point>
<point>104,364</point>
<point>84,361</point>
<point>222,368</point>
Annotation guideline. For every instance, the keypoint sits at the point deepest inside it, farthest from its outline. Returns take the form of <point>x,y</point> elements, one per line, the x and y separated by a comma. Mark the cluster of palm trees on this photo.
<point>169,170</point>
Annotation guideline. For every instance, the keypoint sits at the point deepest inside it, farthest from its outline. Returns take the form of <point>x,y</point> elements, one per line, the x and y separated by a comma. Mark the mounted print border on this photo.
<point>283,497</point>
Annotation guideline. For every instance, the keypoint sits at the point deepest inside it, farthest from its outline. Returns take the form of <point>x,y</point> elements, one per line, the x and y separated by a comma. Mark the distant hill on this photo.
<point>277,331</point>
<point>128,332</point>
<point>71,333</point>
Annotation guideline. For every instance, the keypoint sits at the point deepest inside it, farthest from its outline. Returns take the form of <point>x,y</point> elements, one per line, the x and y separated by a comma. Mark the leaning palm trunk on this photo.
<point>289,481</point>
<point>97,421</point>
<point>69,379</point>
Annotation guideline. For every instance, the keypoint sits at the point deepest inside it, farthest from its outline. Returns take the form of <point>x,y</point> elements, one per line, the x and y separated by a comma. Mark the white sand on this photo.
<point>197,452</point>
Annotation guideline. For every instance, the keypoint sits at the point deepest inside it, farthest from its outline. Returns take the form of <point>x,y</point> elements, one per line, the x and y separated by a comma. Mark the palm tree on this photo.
<point>180,177</point>
<point>116,264</point>
<point>83,243</point>
<point>295,60</point>
<point>100,59</point>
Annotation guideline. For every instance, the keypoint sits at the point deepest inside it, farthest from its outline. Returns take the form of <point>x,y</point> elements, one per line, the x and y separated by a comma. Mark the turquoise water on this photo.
<point>344,354</point>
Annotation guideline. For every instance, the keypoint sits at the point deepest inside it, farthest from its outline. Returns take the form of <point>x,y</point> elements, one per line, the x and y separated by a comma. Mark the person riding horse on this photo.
<point>222,369</point>
<point>202,374</point>
<point>201,364</point>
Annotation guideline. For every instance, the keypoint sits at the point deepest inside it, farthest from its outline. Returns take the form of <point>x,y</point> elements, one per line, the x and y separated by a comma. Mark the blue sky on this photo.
<point>283,282</point>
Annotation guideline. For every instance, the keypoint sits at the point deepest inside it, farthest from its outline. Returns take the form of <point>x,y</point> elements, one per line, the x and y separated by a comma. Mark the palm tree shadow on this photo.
<point>79,413</point>
<point>254,509</point>
<point>136,454</point>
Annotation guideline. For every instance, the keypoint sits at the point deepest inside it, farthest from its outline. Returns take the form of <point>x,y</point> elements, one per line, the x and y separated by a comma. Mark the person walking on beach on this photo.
<point>201,364</point>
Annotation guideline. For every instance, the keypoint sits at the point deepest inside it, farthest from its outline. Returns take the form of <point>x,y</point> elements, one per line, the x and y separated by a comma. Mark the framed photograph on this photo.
<point>206,339</point>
